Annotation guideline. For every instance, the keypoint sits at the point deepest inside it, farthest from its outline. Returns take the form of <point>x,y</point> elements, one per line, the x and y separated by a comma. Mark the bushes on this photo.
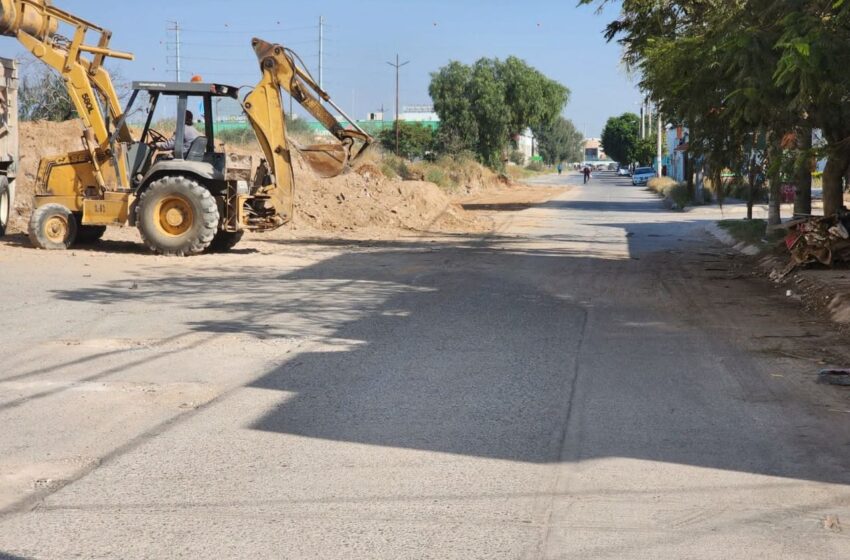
<point>676,193</point>
<point>536,166</point>
<point>415,140</point>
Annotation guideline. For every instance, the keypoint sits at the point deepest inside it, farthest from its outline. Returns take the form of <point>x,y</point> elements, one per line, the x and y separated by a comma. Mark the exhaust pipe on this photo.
<point>29,16</point>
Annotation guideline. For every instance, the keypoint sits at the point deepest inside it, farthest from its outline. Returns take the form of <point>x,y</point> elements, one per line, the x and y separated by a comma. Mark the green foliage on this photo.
<point>620,138</point>
<point>559,141</point>
<point>517,157</point>
<point>415,139</point>
<point>43,95</point>
<point>748,231</point>
<point>535,166</point>
<point>750,68</point>
<point>483,106</point>
<point>646,151</point>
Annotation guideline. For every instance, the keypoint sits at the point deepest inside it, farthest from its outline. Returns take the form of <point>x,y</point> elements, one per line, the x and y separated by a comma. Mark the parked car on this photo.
<point>624,172</point>
<point>642,175</point>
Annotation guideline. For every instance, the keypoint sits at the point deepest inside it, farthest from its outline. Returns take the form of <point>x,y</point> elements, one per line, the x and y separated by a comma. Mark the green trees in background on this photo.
<point>620,138</point>
<point>484,106</point>
<point>559,141</point>
<point>43,95</point>
<point>735,71</point>
<point>415,140</point>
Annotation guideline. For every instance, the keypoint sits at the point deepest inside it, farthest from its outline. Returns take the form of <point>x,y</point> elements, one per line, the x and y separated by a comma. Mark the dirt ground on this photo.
<point>362,203</point>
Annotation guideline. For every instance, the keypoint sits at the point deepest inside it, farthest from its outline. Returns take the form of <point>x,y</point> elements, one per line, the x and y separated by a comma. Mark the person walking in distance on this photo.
<point>560,168</point>
<point>586,173</point>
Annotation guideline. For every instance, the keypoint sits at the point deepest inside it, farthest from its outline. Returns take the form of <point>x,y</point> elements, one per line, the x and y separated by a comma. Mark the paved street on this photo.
<point>594,380</point>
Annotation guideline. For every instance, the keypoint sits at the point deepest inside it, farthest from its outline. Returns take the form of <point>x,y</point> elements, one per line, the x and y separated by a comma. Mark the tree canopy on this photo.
<point>559,141</point>
<point>620,138</point>
<point>484,106</point>
<point>737,71</point>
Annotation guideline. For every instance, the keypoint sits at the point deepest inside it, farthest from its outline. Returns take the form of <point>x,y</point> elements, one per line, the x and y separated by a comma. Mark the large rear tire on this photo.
<point>224,241</point>
<point>5,205</point>
<point>52,227</point>
<point>177,216</point>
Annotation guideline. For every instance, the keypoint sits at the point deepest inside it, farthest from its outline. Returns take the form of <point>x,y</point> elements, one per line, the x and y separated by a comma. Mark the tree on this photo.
<point>415,139</point>
<point>458,125</point>
<point>483,106</point>
<point>620,138</point>
<point>559,141</point>
<point>748,67</point>
<point>43,95</point>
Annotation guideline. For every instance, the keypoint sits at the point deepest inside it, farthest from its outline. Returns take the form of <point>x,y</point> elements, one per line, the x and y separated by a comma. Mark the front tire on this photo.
<point>5,205</point>
<point>52,227</point>
<point>177,216</point>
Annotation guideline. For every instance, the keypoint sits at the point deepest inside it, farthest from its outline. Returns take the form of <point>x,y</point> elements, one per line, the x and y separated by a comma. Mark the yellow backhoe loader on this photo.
<point>185,201</point>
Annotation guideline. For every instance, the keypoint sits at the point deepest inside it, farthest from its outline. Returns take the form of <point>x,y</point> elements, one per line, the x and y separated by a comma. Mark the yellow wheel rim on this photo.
<point>56,229</point>
<point>173,215</point>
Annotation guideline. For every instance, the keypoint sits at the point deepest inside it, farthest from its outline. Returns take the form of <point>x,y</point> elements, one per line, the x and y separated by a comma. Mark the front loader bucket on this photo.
<point>327,160</point>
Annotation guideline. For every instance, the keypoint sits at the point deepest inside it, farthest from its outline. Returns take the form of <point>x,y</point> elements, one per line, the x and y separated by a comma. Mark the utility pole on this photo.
<point>642,119</point>
<point>658,155</point>
<point>321,50</point>
<point>397,66</point>
<point>648,116</point>
<point>175,27</point>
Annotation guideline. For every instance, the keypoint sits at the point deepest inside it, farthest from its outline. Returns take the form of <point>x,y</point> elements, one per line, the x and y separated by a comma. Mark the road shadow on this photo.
<point>482,350</point>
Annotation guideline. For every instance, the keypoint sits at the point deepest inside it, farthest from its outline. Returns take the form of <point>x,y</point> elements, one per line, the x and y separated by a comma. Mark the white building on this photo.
<point>525,143</point>
<point>418,113</point>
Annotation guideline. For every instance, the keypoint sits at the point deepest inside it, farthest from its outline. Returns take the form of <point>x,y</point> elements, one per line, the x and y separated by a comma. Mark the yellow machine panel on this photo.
<point>112,210</point>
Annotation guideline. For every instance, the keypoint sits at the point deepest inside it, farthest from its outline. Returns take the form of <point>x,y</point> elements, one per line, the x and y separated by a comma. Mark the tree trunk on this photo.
<point>774,209</point>
<point>833,181</point>
<point>751,191</point>
<point>689,177</point>
<point>803,175</point>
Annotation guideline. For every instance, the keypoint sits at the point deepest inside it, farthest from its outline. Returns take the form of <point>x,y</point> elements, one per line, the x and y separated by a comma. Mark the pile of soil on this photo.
<point>362,200</point>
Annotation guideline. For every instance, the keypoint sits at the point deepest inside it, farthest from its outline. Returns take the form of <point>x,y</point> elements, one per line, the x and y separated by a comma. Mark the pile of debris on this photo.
<point>818,239</point>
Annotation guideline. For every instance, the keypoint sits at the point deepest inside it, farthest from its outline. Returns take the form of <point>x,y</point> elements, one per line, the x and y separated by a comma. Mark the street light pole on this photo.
<point>397,66</point>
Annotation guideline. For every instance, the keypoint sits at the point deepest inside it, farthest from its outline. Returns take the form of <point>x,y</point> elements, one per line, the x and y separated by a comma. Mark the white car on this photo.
<point>642,175</point>
<point>624,172</point>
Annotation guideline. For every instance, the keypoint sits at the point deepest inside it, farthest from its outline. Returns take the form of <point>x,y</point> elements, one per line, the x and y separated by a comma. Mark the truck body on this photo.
<point>8,139</point>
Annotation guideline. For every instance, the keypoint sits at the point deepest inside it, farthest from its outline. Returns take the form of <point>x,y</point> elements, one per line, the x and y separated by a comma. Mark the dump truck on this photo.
<point>185,200</point>
<point>8,140</point>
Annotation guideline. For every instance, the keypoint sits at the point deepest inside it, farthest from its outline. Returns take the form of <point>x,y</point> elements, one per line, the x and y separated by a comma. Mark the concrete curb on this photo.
<point>813,293</point>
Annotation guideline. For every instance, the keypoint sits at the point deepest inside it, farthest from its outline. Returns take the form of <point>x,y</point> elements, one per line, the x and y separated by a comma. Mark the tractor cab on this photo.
<point>198,157</point>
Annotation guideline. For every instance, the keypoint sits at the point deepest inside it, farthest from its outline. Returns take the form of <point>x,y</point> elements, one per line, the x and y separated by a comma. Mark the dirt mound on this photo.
<point>362,200</point>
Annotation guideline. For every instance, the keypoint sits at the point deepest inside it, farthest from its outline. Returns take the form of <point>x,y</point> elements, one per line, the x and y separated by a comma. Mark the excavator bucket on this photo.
<point>327,160</point>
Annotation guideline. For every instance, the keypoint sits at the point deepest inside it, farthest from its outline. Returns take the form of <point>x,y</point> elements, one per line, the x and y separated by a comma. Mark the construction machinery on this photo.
<point>193,198</point>
<point>8,139</point>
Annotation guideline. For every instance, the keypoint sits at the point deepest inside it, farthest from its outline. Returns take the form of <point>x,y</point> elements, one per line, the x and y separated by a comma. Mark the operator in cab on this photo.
<point>189,135</point>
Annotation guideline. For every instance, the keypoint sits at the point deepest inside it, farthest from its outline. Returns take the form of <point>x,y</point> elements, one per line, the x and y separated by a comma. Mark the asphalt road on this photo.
<point>598,379</point>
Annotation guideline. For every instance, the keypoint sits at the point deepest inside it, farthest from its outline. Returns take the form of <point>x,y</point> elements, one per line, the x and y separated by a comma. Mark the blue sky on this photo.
<point>562,40</point>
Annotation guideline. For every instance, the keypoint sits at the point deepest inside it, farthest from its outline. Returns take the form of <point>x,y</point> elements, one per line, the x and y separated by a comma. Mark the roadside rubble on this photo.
<point>817,239</point>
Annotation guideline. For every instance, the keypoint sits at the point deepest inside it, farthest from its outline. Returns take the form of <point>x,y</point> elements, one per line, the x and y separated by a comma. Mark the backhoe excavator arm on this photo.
<point>264,108</point>
<point>35,23</point>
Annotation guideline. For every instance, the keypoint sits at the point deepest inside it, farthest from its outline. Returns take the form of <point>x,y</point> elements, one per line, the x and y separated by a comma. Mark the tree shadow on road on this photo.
<point>493,349</point>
